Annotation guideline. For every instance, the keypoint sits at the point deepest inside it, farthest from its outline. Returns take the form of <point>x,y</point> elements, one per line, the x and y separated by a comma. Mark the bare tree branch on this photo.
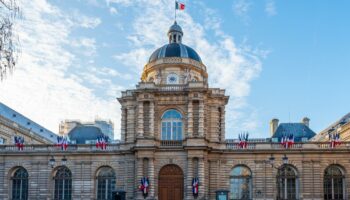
<point>9,11</point>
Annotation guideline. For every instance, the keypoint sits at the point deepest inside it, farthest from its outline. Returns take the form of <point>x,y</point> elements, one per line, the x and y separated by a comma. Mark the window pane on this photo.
<point>63,184</point>
<point>240,183</point>
<point>105,183</point>
<point>20,185</point>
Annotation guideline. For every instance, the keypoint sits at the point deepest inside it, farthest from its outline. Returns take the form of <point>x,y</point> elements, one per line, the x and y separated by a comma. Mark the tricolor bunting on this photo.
<point>144,186</point>
<point>287,141</point>
<point>195,186</point>
<point>62,141</point>
<point>243,140</point>
<point>19,142</point>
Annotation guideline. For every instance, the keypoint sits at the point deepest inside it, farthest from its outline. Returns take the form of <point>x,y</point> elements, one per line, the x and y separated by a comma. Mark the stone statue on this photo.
<point>187,76</point>
<point>158,77</point>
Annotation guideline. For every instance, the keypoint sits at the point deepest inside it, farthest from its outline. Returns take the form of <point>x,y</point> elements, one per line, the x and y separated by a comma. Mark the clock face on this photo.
<point>172,79</point>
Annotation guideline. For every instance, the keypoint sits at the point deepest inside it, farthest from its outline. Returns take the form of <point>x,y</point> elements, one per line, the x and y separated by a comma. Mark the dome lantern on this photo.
<point>175,33</point>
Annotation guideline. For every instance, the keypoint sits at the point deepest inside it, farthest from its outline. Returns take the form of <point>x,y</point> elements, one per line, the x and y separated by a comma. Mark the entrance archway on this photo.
<point>171,183</point>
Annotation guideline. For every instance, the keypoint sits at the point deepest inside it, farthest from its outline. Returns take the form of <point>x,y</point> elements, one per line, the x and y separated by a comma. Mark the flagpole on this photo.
<point>175,10</point>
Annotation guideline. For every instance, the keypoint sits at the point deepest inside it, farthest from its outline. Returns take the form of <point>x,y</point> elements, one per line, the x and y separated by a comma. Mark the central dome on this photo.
<point>175,48</point>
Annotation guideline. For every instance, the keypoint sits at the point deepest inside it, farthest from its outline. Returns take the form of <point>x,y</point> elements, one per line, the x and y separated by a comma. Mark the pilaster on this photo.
<point>190,119</point>
<point>201,119</point>
<point>123,124</point>
<point>139,175</point>
<point>222,134</point>
<point>151,120</point>
<point>202,182</point>
<point>151,178</point>
<point>188,189</point>
<point>140,119</point>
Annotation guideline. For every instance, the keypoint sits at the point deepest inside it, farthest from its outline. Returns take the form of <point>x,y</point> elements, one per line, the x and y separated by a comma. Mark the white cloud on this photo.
<point>113,11</point>
<point>85,21</point>
<point>43,86</point>
<point>270,8</point>
<point>241,7</point>
<point>87,46</point>
<point>230,66</point>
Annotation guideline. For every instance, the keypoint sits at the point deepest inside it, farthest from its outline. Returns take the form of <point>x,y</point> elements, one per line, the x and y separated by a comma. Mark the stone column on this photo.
<point>222,123</point>
<point>139,175</point>
<point>190,119</point>
<point>151,178</point>
<point>151,119</point>
<point>123,125</point>
<point>140,119</point>
<point>189,177</point>
<point>201,119</point>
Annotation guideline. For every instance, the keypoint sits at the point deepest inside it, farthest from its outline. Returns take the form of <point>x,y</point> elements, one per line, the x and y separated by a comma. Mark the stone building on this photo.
<point>172,131</point>
<point>341,126</point>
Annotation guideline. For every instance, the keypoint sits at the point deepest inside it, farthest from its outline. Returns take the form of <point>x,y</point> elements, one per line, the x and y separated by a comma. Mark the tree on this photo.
<point>9,11</point>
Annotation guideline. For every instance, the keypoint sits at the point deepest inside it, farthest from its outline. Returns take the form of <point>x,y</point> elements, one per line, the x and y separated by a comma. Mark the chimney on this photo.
<point>273,126</point>
<point>306,121</point>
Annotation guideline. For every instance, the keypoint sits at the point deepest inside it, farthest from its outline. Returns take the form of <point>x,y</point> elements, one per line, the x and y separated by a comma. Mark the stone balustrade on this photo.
<point>229,145</point>
<point>171,143</point>
<point>55,148</point>
<point>234,145</point>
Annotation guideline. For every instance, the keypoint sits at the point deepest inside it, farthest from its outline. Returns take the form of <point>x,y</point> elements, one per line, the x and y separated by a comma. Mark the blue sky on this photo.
<point>276,59</point>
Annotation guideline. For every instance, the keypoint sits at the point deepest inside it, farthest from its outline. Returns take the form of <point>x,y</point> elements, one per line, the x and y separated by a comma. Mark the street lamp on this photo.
<point>285,159</point>
<point>64,160</point>
<point>52,161</point>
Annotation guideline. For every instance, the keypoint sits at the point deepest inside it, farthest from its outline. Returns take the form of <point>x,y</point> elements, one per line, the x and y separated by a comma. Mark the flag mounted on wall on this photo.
<point>179,6</point>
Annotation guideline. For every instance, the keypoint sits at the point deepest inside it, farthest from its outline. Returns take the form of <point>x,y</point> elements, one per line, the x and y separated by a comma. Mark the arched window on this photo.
<point>105,183</point>
<point>63,184</point>
<point>333,183</point>
<point>20,184</point>
<point>240,183</point>
<point>287,183</point>
<point>172,125</point>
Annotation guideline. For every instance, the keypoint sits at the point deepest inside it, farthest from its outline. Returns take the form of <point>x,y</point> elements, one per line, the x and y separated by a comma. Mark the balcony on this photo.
<point>171,143</point>
<point>170,88</point>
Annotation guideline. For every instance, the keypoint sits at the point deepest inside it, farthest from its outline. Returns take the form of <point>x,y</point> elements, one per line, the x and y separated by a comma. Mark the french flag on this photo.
<point>195,185</point>
<point>179,6</point>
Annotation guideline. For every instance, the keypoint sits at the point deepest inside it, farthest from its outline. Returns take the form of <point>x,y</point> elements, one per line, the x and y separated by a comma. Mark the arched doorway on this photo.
<point>171,183</point>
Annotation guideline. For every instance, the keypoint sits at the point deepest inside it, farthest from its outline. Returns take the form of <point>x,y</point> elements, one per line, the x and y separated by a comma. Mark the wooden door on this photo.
<point>171,183</point>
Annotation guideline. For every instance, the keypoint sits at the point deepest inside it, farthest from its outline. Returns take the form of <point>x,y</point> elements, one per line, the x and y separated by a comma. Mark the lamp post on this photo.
<point>271,160</point>
<point>64,160</point>
<point>52,162</point>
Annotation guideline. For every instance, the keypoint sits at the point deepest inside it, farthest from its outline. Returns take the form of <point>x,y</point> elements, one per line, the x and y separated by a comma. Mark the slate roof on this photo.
<point>299,130</point>
<point>26,123</point>
<point>82,133</point>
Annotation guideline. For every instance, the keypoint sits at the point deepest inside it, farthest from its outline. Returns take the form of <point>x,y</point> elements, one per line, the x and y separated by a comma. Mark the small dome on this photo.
<point>175,50</point>
<point>175,28</point>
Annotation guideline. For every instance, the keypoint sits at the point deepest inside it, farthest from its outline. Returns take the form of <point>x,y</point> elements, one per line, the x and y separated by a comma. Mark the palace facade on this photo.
<point>173,132</point>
